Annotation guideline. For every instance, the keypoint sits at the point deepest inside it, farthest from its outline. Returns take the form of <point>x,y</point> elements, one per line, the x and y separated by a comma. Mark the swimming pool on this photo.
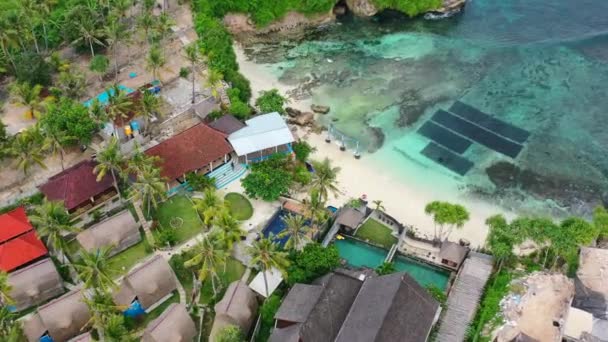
<point>360,254</point>
<point>104,96</point>
<point>423,273</point>
<point>276,226</point>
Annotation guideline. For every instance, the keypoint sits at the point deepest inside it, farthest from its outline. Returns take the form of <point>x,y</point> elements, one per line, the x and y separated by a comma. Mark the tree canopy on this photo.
<point>312,262</point>
<point>268,179</point>
<point>70,118</point>
<point>446,214</point>
<point>271,101</point>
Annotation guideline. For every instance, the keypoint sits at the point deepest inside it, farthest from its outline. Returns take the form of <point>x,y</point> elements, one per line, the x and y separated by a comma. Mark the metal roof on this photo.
<point>262,132</point>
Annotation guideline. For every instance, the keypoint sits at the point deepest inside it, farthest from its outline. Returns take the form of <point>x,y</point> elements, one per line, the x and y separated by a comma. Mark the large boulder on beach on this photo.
<point>362,8</point>
<point>320,109</point>
<point>292,112</point>
<point>304,119</point>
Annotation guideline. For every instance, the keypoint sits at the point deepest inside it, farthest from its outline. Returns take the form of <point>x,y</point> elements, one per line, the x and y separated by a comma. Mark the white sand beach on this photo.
<point>402,190</point>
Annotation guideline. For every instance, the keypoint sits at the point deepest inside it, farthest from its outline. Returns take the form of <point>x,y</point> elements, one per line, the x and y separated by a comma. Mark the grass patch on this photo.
<point>377,233</point>
<point>239,206</point>
<point>180,207</point>
<point>123,261</point>
<point>234,271</point>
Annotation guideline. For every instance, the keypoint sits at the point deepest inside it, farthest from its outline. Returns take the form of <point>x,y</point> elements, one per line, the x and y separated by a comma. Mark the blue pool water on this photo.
<point>424,274</point>
<point>276,226</point>
<point>104,96</point>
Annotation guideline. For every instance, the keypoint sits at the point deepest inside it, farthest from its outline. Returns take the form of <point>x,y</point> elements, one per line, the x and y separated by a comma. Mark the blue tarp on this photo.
<point>46,338</point>
<point>134,310</point>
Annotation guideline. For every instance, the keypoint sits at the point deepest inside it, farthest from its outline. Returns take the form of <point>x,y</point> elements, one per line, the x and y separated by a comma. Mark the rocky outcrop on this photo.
<point>241,24</point>
<point>451,6</point>
<point>319,109</point>
<point>362,8</point>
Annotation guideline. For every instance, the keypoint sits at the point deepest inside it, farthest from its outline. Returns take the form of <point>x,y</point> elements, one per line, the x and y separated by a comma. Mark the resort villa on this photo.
<point>174,324</point>
<point>146,286</point>
<point>119,232</point>
<point>35,284</point>
<point>77,187</point>
<point>262,136</point>
<point>354,306</point>
<point>238,307</point>
<point>19,242</point>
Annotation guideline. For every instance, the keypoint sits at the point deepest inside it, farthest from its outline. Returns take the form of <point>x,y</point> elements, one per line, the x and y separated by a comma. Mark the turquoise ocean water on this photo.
<point>540,65</point>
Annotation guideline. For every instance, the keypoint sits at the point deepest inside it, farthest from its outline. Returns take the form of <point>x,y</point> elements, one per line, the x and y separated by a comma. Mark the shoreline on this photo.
<point>380,176</point>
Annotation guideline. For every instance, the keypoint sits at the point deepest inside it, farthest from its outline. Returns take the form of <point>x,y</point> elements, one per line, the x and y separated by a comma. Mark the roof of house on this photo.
<point>21,250</point>
<point>63,318</point>
<point>14,223</point>
<point>453,252</point>
<point>227,124</point>
<point>350,217</point>
<point>149,283</point>
<point>392,307</point>
<point>299,302</point>
<point>273,279</point>
<point>262,132</point>
<point>173,325</point>
<point>31,281</point>
<point>86,337</point>
<point>110,232</point>
<point>76,185</point>
<point>238,307</point>
<point>190,150</point>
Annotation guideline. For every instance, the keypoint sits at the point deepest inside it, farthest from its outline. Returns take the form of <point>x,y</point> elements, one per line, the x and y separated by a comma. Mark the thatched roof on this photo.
<point>350,217</point>
<point>173,325</point>
<point>453,252</point>
<point>238,307</point>
<point>148,283</point>
<point>120,231</point>
<point>35,284</point>
<point>63,318</point>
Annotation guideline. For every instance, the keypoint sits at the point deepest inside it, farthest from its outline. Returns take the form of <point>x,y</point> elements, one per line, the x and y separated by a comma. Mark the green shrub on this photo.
<point>32,68</point>
<point>437,293</point>
<point>302,149</point>
<point>487,312</point>
<point>165,236</point>
<point>409,7</point>
<point>271,101</point>
<point>240,110</point>
<point>230,333</point>
<point>199,182</point>
<point>312,262</point>
<point>184,72</point>
<point>268,310</point>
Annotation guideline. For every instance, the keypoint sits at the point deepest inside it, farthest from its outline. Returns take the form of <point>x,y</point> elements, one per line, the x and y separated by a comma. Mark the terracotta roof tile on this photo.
<point>190,150</point>
<point>20,251</point>
<point>76,185</point>
<point>14,223</point>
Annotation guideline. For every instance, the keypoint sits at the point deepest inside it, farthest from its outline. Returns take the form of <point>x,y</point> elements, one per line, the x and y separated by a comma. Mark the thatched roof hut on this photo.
<point>35,284</point>
<point>120,231</point>
<point>238,307</point>
<point>173,325</point>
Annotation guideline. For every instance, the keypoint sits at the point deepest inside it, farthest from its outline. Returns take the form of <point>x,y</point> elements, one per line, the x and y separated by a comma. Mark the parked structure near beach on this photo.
<point>262,136</point>
<point>77,187</point>
<point>119,231</point>
<point>35,284</point>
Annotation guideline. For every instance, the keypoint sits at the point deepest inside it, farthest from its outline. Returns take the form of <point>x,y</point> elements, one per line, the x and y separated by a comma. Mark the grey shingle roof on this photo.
<point>453,252</point>
<point>299,302</point>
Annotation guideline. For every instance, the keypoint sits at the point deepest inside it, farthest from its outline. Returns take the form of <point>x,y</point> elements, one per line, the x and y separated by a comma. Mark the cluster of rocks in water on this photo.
<point>300,118</point>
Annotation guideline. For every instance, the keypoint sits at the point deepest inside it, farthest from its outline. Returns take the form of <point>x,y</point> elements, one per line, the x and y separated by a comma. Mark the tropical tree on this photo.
<point>209,206</point>
<point>109,159</point>
<point>296,231</point>
<point>115,329</point>
<point>146,23</point>
<point>10,328</point>
<point>150,107</point>
<point>194,56</point>
<point>88,32</point>
<point>378,205</point>
<point>265,256</point>
<point>230,333</point>
<point>95,270</point>
<point>99,64</point>
<point>446,214</point>
<point>228,230</point>
<point>499,240</point>
<point>149,187</point>
<point>271,101</point>
<point>27,149</point>
<point>119,106</point>
<point>54,143</point>
<point>163,26</point>
<point>214,82</point>
<point>314,209</point>
<point>155,61</point>
<point>53,221</point>
<point>72,83</point>
<point>29,96</point>
<point>600,220</point>
<point>386,268</point>
<point>325,178</point>
<point>103,312</point>
<point>208,256</point>
<point>70,121</point>
<point>115,33</point>
<point>5,290</point>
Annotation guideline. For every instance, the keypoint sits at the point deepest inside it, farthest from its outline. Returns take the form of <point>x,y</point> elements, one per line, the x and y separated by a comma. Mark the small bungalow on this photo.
<point>349,219</point>
<point>77,187</point>
<point>59,320</point>
<point>198,149</point>
<point>120,231</point>
<point>35,284</point>
<point>173,325</point>
<point>227,124</point>
<point>19,243</point>
<point>147,285</point>
<point>238,307</point>
<point>591,282</point>
<point>452,255</point>
<point>356,306</point>
<point>262,136</point>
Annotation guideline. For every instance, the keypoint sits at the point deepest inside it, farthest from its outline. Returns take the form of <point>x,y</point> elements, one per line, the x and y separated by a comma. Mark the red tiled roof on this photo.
<point>19,243</point>
<point>76,185</point>
<point>190,150</point>
<point>13,223</point>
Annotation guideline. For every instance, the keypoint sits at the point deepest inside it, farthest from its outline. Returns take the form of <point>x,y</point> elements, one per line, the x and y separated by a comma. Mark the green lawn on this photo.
<point>123,261</point>
<point>239,205</point>
<point>377,233</point>
<point>179,207</point>
<point>234,271</point>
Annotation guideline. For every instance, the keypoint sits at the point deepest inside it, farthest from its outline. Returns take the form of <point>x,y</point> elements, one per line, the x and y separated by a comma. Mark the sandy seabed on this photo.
<point>403,187</point>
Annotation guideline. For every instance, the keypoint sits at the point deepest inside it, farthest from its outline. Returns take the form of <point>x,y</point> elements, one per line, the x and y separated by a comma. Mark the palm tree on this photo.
<point>5,290</point>
<point>378,205</point>
<point>10,328</point>
<point>229,231</point>
<point>265,256</point>
<point>29,96</point>
<point>88,33</point>
<point>214,82</point>
<point>110,159</point>
<point>115,33</point>
<point>296,231</point>
<point>72,83</point>
<point>102,309</point>
<point>150,106</point>
<point>149,187</point>
<point>208,256</point>
<point>119,106</point>
<point>30,15</point>
<point>324,179</point>
<point>8,40</point>
<point>146,23</point>
<point>95,271</point>
<point>54,142</point>
<point>155,61</point>
<point>315,210</point>
<point>53,221</point>
<point>163,26</point>
<point>193,55</point>
<point>27,150</point>
<point>209,206</point>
